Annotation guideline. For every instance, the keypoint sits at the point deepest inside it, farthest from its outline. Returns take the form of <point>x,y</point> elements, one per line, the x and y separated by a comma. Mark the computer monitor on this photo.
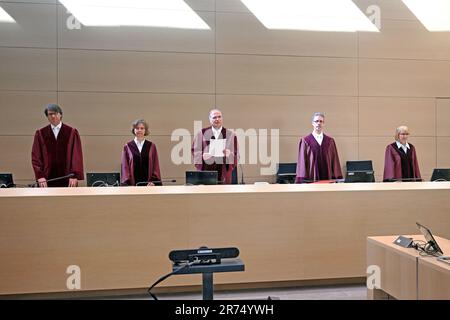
<point>440,175</point>
<point>360,165</point>
<point>201,177</point>
<point>6,180</point>
<point>359,176</point>
<point>286,172</point>
<point>359,171</point>
<point>103,179</point>
<point>432,243</point>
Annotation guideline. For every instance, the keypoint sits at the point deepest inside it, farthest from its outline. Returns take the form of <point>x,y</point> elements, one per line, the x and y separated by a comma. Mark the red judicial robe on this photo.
<point>395,161</point>
<point>140,166</point>
<point>317,162</point>
<point>53,158</point>
<point>223,165</point>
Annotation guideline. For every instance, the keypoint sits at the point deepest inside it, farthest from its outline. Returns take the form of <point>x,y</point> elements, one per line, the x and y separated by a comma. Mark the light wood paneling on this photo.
<point>404,78</point>
<point>402,39</point>
<point>443,117</point>
<point>434,276</point>
<point>27,69</point>
<point>373,148</point>
<point>35,26</point>
<point>443,152</point>
<point>113,113</point>
<point>291,114</point>
<point>381,116</point>
<point>135,71</point>
<point>242,74</point>
<point>257,39</point>
<point>144,224</point>
<point>26,106</point>
<point>398,269</point>
<point>142,39</point>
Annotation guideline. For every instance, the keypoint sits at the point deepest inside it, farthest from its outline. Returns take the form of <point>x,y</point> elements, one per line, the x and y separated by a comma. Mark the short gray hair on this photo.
<point>318,114</point>
<point>138,122</point>
<point>53,108</point>
<point>211,111</point>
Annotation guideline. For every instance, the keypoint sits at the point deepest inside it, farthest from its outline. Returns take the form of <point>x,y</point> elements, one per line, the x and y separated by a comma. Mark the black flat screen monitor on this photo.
<point>103,179</point>
<point>201,177</point>
<point>6,180</point>
<point>359,176</point>
<point>430,239</point>
<point>286,172</point>
<point>360,165</point>
<point>440,175</point>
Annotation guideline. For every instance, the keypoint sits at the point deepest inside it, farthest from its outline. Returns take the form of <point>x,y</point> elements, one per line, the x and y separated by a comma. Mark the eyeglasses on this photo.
<point>318,121</point>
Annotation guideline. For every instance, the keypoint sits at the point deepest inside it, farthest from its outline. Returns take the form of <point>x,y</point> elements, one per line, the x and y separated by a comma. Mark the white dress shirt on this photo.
<point>56,129</point>
<point>404,147</point>
<point>217,132</point>
<point>139,144</point>
<point>318,137</point>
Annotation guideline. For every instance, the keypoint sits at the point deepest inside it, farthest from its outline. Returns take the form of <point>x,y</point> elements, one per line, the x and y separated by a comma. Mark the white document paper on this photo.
<point>216,147</point>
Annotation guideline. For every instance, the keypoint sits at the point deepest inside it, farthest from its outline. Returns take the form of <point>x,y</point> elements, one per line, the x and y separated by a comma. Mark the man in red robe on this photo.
<point>317,155</point>
<point>220,155</point>
<point>57,152</point>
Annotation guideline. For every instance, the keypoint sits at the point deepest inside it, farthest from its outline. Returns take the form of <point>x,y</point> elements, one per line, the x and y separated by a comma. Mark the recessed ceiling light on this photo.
<point>150,13</point>
<point>315,15</point>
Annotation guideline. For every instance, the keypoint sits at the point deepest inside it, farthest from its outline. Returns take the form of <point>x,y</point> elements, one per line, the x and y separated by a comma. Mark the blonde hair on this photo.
<point>399,130</point>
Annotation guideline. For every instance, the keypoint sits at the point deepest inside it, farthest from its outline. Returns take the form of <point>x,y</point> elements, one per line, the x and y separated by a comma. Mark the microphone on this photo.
<point>144,183</point>
<point>70,175</point>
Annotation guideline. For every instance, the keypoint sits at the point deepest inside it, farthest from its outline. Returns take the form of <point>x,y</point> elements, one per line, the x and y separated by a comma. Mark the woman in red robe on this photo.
<point>140,164</point>
<point>400,161</point>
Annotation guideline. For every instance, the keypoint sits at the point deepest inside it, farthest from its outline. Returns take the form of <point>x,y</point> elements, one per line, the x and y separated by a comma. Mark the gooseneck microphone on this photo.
<point>35,184</point>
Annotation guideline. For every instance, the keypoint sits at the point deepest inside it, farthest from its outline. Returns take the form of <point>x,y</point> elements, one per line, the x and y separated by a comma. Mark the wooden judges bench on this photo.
<point>120,237</point>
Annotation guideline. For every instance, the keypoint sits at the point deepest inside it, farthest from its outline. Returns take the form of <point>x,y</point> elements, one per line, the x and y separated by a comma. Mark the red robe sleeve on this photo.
<point>197,151</point>
<point>335,163</point>
<point>76,159</point>
<point>37,156</point>
<point>389,165</point>
<point>125,174</point>
<point>302,162</point>
<point>416,165</point>
<point>154,171</point>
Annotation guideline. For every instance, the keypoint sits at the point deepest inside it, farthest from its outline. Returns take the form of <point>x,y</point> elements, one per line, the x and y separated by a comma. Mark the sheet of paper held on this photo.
<point>216,147</point>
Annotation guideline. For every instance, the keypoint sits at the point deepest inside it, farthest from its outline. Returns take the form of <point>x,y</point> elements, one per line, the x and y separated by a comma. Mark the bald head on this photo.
<point>215,118</point>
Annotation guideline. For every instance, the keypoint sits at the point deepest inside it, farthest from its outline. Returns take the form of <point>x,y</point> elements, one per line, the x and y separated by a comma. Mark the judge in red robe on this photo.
<point>140,164</point>
<point>206,159</point>
<point>317,155</point>
<point>57,152</point>
<point>400,160</point>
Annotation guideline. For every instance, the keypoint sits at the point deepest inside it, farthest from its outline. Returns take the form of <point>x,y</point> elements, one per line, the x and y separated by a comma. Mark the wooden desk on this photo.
<point>121,237</point>
<point>405,274</point>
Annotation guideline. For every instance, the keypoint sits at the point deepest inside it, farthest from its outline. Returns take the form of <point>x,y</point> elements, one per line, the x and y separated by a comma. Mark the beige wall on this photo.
<point>366,83</point>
